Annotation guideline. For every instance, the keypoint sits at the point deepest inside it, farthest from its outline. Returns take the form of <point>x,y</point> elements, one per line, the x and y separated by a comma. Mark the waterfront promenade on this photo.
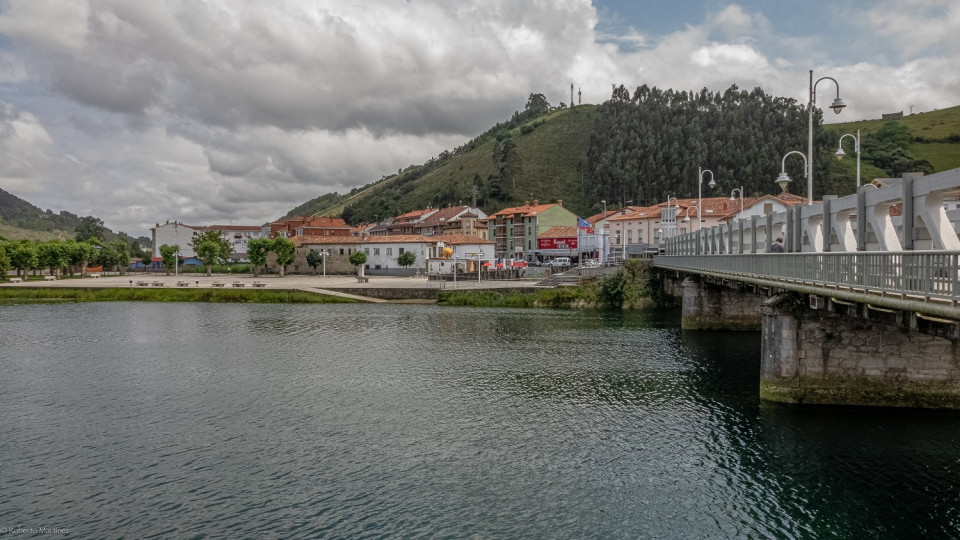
<point>309,283</point>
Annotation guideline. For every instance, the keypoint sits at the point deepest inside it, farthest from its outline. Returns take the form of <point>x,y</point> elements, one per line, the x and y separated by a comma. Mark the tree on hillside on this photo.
<point>257,251</point>
<point>285,251</point>
<point>89,227</point>
<point>211,248</point>
<point>537,105</point>
<point>169,255</point>
<point>889,149</point>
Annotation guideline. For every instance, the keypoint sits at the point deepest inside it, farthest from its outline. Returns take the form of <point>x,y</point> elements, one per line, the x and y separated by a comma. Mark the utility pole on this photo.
<point>571,95</point>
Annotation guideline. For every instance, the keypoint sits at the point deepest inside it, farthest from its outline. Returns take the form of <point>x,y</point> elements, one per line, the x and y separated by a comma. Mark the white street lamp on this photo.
<point>856,148</point>
<point>479,265</point>
<point>784,179</point>
<point>837,106</point>
<point>740,189</point>
<point>712,184</point>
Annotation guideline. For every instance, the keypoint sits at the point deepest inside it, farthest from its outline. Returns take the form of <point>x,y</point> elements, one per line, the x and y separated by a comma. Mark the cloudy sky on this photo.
<point>235,111</point>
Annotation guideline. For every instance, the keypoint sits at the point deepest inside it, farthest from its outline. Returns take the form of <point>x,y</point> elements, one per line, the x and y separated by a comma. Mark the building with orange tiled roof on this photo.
<point>515,230</point>
<point>309,226</point>
<point>382,251</point>
<point>453,220</point>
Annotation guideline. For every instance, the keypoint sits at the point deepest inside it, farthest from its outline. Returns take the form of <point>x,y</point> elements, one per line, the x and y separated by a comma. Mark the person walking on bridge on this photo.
<point>777,246</point>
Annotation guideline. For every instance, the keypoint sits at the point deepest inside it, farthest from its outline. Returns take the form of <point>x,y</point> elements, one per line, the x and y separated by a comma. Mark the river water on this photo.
<point>398,421</point>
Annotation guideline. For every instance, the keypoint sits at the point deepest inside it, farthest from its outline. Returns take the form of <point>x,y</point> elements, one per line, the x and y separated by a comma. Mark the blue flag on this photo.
<point>582,223</point>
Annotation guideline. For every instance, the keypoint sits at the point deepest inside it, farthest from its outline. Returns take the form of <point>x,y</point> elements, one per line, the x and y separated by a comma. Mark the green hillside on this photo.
<point>935,136</point>
<point>591,152</point>
<point>21,220</point>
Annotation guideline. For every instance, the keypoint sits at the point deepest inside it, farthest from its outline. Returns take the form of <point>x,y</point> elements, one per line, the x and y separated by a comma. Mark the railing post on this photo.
<point>908,214</point>
<point>827,225</point>
<point>753,234</point>
<point>768,233</point>
<point>862,219</point>
<point>788,225</point>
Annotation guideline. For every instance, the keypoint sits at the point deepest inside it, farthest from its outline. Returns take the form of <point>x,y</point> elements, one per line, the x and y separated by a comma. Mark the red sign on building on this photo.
<point>557,243</point>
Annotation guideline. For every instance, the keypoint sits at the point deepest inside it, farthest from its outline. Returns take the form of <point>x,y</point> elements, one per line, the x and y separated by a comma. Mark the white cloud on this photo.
<point>224,111</point>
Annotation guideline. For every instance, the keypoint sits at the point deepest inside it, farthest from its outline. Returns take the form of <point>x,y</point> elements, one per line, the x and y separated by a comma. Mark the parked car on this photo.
<point>559,262</point>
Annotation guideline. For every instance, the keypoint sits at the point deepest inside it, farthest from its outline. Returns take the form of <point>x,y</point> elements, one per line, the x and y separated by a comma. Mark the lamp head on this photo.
<point>732,198</point>
<point>784,180</point>
<point>840,153</point>
<point>687,217</point>
<point>712,184</point>
<point>838,105</point>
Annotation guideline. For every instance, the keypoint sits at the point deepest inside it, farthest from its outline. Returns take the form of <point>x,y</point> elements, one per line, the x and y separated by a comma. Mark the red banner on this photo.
<point>556,243</point>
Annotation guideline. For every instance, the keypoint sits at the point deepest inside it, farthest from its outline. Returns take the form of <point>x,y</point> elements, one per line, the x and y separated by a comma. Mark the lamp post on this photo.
<point>323,254</point>
<point>740,215</point>
<point>784,179</point>
<point>837,106</point>
<point>479,265</point>
<point>700,174</point>
<point>856,148</point>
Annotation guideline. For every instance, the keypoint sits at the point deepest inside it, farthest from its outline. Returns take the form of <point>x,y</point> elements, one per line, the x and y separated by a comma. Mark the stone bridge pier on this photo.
<point>820,350</point>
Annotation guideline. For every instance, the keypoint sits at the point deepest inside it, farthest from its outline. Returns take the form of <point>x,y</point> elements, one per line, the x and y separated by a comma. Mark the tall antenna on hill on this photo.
<point>571,94</point>
<point>579,96</point>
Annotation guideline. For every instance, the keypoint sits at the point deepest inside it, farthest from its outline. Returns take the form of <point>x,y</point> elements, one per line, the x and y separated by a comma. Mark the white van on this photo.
<point>559,261</point>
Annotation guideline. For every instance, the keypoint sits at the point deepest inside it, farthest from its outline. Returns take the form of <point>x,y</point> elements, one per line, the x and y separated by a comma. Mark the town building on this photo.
<point>515,230</point>
<point>178,234</point>
<point>309,226</point>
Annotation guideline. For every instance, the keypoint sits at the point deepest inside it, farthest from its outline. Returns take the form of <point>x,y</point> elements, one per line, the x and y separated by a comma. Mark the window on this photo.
<point>376,251</point>
<point>529,244</point>
<point>528,231</point>
<point>629,237</point>
<point>366,251</point>
<point>389,252</point>
<point>767,208</point>
<point>341,251</point>
<point>400,251</point>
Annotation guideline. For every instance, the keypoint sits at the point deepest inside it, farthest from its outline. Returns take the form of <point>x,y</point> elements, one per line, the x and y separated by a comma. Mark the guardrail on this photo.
<point>918,276</point>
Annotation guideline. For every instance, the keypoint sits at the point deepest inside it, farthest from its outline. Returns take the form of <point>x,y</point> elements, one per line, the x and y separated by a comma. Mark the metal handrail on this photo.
<point>919,275</point>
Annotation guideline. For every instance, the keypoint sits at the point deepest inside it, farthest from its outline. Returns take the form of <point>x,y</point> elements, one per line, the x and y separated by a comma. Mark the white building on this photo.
<point>181,235</point>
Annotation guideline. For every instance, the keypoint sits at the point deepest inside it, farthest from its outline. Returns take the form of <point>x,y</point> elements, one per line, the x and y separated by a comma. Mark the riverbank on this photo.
<point>253,296</point>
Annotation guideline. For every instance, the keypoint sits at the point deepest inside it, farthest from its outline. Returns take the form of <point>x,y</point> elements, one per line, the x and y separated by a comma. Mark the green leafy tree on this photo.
<point>89,227</point>
<point>314,259</point>
<point>257,251</point>
<point>407,258</point>
<point>53,255</point>
<point>4,261</point>
<point>23,256</point>
<point>211,248</point>
<point>78,254</point>
<point>285,251</point>
<point>121,255</point>
<point>169,255</point>
<point>358,259</point>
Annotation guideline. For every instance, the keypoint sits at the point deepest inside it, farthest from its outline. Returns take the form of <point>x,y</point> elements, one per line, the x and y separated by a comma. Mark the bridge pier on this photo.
<point>856,355</point>
<point>709,306</point>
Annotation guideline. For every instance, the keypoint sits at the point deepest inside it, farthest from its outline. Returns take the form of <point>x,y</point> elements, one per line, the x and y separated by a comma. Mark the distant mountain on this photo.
<point>20,219</point>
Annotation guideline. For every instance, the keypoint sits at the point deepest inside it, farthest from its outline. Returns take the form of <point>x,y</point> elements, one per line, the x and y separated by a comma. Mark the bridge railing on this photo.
<point>858,222</point>
<point>920,275</point>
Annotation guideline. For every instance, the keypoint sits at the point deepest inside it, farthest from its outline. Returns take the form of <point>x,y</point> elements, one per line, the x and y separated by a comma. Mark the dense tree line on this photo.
<point>60,257</point>
<point>649,145</point>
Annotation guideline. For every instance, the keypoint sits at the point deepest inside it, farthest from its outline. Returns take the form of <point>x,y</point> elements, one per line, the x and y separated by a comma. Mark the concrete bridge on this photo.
<point>861,309</point>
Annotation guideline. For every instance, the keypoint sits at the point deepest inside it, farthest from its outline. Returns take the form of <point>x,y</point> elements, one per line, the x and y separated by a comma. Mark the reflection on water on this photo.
<point>346,421</point>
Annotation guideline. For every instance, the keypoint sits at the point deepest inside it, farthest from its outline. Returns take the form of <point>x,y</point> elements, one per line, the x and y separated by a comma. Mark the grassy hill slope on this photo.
<point>936,135</point>
<point>21,220</point>
<point>550,155</point>
<point>552,152</point>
